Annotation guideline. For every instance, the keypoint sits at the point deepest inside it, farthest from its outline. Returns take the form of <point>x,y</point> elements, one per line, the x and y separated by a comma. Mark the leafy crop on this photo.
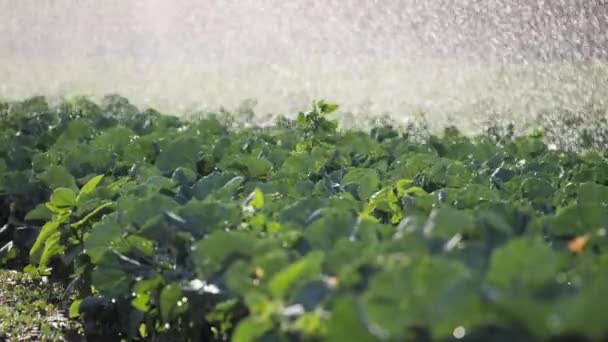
<point>170,229</point>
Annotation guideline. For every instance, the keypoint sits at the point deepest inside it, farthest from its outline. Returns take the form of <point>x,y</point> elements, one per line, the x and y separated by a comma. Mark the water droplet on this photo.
<point>211,289</point>
<point>294,310</point>
<point>197,284</point>
<point>555,322</point>
<point>459,332</point>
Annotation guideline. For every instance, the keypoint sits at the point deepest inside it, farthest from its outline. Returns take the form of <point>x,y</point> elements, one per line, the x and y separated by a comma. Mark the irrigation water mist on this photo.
<point>460,61</point>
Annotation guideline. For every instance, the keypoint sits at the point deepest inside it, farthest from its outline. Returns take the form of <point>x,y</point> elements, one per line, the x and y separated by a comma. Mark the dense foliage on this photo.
<point>171,229</point>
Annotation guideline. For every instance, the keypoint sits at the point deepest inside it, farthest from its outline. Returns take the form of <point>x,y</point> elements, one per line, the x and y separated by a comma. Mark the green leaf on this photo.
<point>524,265</point>
<point>366,181</point>
<point>90,186</point>
<point>333,225</point>
<point>90,215</point>
<point>255,199</point>
<point>203,217</point>
<point>326,107</point>
<point>171,302</point>
<point>141,302</point>
<point>52,247</point>
<point>110,279</point>
<point>142,245</point>
<point>183,151</point>
<point>252,167</point>
<point>63,198</point>
<point>446,222</point>
<point>46,232</point>
<point>251,329</point>
<point>474,194</point>
<point>138,210</point>
<point>102,235</point>
<point>305,269</point>
<point>300,211</point>
<point>208,184</point>
<point>347,322</point>
<point>591,193</point>
<point>579,219</point>
<point>74,311</point>
<point>143,290</point>
<point>58,177</point>
<point>212,253</point>
<point>421,294</point>
<point>40,213</point>
<point>458,175</point>
<point>585,313</point>
<point>536,190</point>
<point>184,176</point>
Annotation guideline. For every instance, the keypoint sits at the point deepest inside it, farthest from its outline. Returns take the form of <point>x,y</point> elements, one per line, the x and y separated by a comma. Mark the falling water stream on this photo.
<point>459,61</point>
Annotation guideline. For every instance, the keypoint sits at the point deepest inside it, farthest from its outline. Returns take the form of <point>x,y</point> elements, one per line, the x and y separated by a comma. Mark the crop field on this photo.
<point>144,226</point>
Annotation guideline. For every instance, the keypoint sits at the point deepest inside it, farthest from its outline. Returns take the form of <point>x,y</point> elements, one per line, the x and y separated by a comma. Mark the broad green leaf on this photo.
<point>74,311</point>
<point>579,219</point>
<point>593,194</point>
<point>347,322</point>
<point>299,212</point>
<point>366,180</point>
<point>137,210</point>
<point>52,248</point>
<point>330,227</point>
<point>409,166</point>
<point>453,174</point>
<point>63,198</point>
<point>102,235</point>
<point>142,245</point>
<point>183,176</point>
<point>171,302</point>
<point>208,216</point>
<point>538,191</point>
<point>307,268</point>
<point>183,151</point>
<point>212,253</point>
<point>251,329</point>
<point>446,222</point>
<point>524,265</point>
<point>58,177</point>
<point>404,296</point>
<point>585,313</point>
<point>90,186</point>
<point>110,278</point>
<point>473,194</point>
<point>208,184</point>
<point>40,213</point>
<point>252,167</point>
<point>115,139</point>
<point>141,302</point>
<point>46,232</point>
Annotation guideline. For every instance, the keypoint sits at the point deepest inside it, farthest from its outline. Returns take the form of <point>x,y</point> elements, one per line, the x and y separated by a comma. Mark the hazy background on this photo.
<point>460,56</point>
